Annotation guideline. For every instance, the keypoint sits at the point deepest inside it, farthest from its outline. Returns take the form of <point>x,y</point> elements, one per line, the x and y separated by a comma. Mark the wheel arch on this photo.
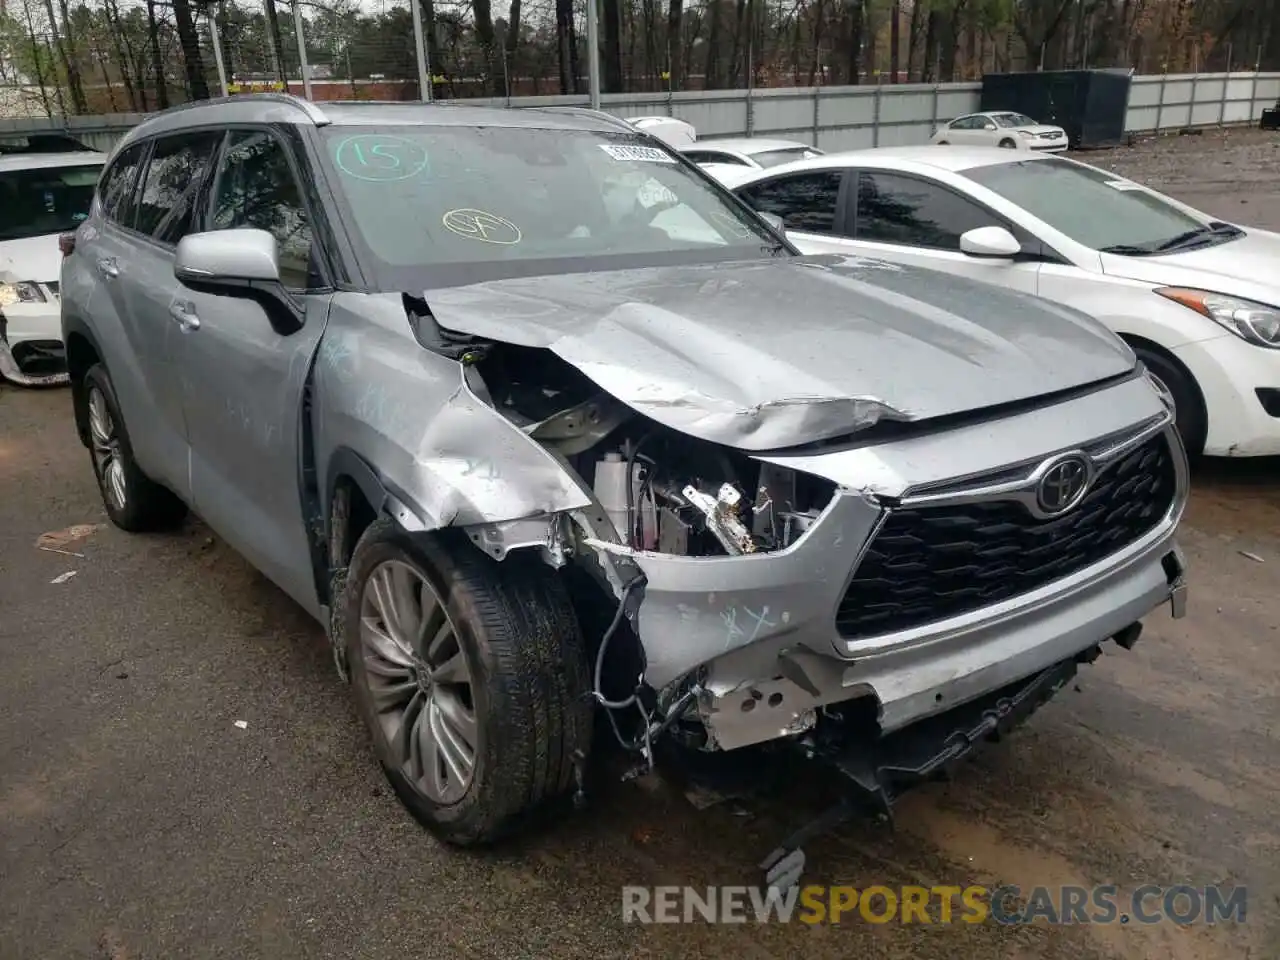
<point>83,352</point>
<point>354,497</point>
<point>1140,343</point>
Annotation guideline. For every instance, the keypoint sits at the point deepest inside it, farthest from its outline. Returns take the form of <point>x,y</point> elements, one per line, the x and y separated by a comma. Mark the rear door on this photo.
<point>918,221</point>
<point>170,189</point>
<point>962,131</point>
<point>811,204</point>
<point>244,372</point>
<point>133,343</point>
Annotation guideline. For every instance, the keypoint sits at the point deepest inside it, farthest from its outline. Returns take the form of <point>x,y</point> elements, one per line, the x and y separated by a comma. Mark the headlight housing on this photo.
<point>21,292</point>
<point>1026,133</point>
<point>1255,322</point>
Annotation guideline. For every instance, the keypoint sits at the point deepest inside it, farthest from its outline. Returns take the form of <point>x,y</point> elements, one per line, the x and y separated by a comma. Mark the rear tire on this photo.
<point>478,717</point>
<point>1189,411</point>
<point>134,502</point>
<point>943,143</point>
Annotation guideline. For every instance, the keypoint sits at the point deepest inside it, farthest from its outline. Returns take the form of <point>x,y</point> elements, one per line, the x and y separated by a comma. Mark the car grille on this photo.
<point>931,563</point>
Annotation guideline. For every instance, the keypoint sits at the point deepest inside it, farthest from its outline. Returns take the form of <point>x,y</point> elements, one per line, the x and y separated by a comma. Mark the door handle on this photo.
<point>107,267</point>
<point>184,314</point>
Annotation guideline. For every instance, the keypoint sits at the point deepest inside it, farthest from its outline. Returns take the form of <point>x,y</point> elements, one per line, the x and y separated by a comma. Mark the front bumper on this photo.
<point>1229,372</point>
<point>757,633</point>
<point>31,348</point>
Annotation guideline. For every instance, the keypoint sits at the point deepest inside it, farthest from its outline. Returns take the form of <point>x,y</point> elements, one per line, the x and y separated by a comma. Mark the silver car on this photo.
<point>538,421</point>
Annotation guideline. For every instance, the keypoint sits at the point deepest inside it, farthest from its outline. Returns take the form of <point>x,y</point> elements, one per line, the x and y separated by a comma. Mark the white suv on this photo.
<point>42,194</point>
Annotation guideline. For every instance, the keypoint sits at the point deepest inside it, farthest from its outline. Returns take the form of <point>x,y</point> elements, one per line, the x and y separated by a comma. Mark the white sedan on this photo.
<point>750,153</point>
<point>1197,299</point>
<point>41,196</point>
<point>1000,128</point>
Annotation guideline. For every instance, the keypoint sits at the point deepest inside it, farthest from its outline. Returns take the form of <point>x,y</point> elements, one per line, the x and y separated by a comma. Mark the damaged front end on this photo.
<point>850,592</point>
<point>768,592</point>
<point>31,362</point>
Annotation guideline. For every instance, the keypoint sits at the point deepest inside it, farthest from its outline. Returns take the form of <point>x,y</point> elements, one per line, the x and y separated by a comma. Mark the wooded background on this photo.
<point>64,57</point>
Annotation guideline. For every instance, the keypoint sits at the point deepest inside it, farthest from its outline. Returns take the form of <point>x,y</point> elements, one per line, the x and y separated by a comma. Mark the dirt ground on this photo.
<point>137,820</point>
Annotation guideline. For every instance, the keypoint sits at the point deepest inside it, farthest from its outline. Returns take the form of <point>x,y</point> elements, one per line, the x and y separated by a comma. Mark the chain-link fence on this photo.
<point>67,57</point>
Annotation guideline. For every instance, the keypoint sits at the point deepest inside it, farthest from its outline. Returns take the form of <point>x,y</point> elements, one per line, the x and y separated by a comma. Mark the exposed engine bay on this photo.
<point>662,491</point>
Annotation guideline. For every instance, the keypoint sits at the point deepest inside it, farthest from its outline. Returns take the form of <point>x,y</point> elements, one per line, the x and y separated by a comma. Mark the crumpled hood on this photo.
<point>32,258</point>
<point>763,355</point>
<point>1244,267</point>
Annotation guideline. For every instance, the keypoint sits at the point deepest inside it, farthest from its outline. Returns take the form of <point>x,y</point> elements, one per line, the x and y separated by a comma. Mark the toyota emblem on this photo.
<point>1063,485</point>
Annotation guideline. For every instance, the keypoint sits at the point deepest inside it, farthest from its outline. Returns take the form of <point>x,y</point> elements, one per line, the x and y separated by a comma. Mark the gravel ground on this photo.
<point>1230,173</point>
<point>138,821</point>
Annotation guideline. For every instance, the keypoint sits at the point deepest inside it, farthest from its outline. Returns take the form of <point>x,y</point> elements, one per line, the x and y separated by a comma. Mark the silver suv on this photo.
<point>540,422</point>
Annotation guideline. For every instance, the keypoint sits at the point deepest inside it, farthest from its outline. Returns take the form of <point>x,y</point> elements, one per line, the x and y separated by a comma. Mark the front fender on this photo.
<point>406,420</point>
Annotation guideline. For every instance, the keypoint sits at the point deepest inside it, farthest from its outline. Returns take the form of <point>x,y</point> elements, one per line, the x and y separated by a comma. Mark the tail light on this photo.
<point>67,243</point>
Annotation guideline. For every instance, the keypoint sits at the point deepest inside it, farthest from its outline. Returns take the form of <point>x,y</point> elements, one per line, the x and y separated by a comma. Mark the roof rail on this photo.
<point>589,112</point>
<point>314,113</point>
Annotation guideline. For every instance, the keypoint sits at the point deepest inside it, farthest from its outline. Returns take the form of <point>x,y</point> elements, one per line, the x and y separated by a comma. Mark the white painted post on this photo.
<point>301,39</point>
<point>1226,90</point>
<point>593,53</point>
<point>875,129</point>
<point>1253,93</point>
<point>817,95</point>
<point>420,47</point>
<point>217,50</point>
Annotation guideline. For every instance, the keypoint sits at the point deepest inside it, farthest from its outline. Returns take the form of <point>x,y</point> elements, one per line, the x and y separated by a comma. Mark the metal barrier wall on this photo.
<point>837,118</point>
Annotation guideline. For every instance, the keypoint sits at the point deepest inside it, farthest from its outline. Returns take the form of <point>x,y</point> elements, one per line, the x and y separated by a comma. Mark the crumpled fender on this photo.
<point>449,457</point>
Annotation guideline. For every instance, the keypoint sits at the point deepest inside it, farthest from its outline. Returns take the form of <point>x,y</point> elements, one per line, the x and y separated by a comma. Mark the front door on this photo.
<point>912,220</point>
<point>243,378</point>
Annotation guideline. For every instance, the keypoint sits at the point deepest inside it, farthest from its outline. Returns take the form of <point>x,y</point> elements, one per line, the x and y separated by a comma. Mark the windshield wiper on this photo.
<point>1183,239</point>
<point>1127,250</point>
<point>1214,230</point>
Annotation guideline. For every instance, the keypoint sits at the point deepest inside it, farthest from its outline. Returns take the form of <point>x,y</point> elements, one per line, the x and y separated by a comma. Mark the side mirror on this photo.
<point>239,263</point>
<point>773,220</point>
<point>223,261</point>
<point>991,242</point>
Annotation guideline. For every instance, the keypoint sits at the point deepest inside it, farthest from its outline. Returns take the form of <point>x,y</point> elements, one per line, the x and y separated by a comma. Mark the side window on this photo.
<point>893,209</point>
<point>964,123</point>
<point>117,186</point>
<point>256,188</point>
<point>806,201</point>
<point>707,156</point>
<point>174,179</point>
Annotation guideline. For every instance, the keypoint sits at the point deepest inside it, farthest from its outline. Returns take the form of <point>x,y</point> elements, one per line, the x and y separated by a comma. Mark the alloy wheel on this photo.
<point>105,446</point>
<point>419,682</point>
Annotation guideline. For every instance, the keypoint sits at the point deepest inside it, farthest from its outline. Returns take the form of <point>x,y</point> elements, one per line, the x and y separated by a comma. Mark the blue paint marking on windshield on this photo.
<point>380,158</point>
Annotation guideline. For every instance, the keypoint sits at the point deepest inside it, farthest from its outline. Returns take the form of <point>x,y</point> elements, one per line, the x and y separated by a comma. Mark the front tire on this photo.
<point>134,502</point>
<point>1008,144</point>
<point>470,676</point>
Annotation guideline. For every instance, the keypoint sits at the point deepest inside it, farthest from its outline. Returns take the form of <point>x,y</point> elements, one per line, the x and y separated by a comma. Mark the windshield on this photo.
<point>43,200</point>
<point>438,205</point>
<point>773,158</point>
<point>1014,120</point>
<point>1092,207</point>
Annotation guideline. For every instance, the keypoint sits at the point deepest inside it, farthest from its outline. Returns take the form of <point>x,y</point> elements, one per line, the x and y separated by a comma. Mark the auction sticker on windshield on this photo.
<point>641,154</point>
